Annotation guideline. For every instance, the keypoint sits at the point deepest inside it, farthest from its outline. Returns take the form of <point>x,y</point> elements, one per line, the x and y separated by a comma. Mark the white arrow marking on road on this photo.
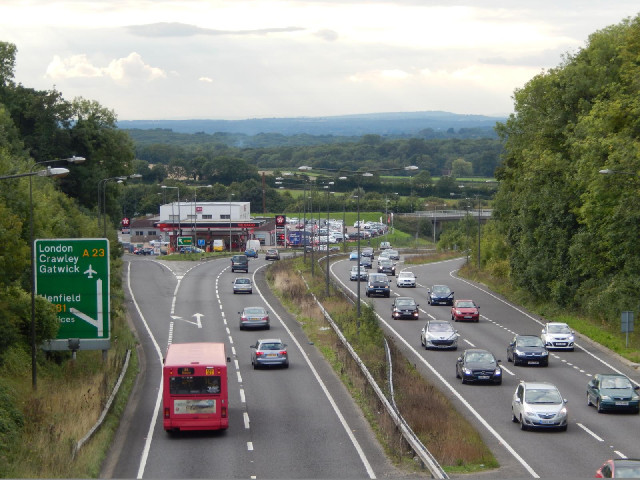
<point>198,322</point>
<point>198,316</point>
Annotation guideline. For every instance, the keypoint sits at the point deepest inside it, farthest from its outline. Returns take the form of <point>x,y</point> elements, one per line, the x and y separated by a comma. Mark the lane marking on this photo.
<point>590,432</point>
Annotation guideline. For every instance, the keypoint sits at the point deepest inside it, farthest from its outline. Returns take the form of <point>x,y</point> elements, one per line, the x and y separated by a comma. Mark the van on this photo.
<point>253,245</point>
<point>241,262</point>
<point>218,246</point>
<point>378,284</point>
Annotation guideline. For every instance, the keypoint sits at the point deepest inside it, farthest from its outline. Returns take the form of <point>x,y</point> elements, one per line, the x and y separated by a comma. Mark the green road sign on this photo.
<point>73,274</point>
<point>185,241</point>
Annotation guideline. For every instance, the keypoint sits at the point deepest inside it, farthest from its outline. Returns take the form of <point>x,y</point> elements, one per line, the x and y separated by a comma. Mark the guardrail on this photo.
<point>410,437</point>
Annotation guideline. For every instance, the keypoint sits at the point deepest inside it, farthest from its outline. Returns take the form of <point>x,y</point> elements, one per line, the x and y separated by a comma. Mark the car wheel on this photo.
<point>599,406</point>
<point>477,320</point>
<point>457,374</point>
<point>255,366</point>
<point>514,419</point>
<point>286,365</point>
<point>250,291</point>
<point>589,403</point>
<point>464,381</point>
<point>563,428</point>
<point>234,292</point>
<point>522,425</point>
<point>508,357</point>
<point>268,327</point>
<point>499,382</point>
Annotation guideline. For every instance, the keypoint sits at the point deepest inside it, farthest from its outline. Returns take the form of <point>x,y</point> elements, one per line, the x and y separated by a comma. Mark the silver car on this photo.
<point>242,285</point>
<point>439,334</point>
<point>269,351</point>
<point>558,335</point>
<point>254,317</point>
<point>358,270</point>
<point>538,405</point>
<point>406,279</point>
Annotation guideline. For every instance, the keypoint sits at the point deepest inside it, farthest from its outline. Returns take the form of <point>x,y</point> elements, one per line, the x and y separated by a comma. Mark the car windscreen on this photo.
<point>559,329</point>
<point>530,342</point>
<point>254,311</point>
<point>405,303</point>
<point>465,305</point>
<point>546,396</point>
<point>243,281</point>
<point>440,327</point>
<point>439,290</point>
<point>619,382</point>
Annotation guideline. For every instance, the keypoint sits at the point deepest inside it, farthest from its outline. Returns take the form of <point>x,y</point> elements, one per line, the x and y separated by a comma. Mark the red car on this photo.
<point>619,468</point>
<point>465,310</point>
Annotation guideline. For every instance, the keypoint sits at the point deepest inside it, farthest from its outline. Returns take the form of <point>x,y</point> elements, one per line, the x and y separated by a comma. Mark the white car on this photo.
<point>558,335</point>
<point>406,279</point>
<point>538,405</point>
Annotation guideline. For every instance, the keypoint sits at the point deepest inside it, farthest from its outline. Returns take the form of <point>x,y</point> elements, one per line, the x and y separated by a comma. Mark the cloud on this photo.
<point>327,34</point>
<point>165,29</point>
<point>206,79</point>
<point>121,70</point>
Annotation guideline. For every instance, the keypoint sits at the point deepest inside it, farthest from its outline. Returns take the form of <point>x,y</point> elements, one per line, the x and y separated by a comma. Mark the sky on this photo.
<point>239,59</point>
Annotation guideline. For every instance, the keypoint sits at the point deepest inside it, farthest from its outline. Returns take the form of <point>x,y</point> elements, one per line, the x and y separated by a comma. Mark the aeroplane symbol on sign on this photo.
<point>90,271</point>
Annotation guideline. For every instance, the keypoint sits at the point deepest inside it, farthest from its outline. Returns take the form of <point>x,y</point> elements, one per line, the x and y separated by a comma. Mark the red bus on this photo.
<point>194,387</point>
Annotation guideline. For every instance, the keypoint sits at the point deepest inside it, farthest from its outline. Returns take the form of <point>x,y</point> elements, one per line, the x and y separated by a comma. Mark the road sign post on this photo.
<point>73,274</point>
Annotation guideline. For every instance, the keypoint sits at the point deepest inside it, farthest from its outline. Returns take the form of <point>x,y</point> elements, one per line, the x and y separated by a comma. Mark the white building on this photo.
<point>204,222</point>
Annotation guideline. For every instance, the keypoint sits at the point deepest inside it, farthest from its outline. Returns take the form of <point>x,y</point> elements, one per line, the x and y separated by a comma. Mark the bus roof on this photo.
<point>196,354</point>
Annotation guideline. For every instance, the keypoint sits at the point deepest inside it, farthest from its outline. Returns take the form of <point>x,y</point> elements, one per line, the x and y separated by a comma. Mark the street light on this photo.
<point>358,282</point>
<point>48,172</point>
<point>328,258</point>
<point>172,214</point>
<point>195,211</point>
<point>230,240</point>
<point>102,197</point>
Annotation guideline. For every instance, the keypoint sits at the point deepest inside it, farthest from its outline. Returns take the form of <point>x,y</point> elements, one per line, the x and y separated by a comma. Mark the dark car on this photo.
<point>272,254</point>
<point>378,284</point>
<point>386,266</point>
<point>440,295</point>
<point>269,352</point>
<point>609,392</point>
<point>367,252</point>
<point>476,365</point>
<point>404,307</point>
<point>393,254</point>
<point>240,263</point>
<point>366,262</point>
<point>527,350</point>
<point>619,468</point>
<point>465,310</point>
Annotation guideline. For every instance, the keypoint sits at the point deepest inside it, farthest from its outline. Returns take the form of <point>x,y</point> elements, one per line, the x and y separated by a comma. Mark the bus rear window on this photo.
<point>194,385</point>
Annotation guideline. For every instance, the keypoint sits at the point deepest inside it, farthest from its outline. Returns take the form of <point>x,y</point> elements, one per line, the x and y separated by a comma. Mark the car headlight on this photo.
<point>497,371</point>
<point>606,398</point>
<point>562,412</point>
<point>545,353</point>
<point>467,371</point>
<point>635,398</point>
<point>458,312</point>
<point>529,413</point>
<point>518,352</point>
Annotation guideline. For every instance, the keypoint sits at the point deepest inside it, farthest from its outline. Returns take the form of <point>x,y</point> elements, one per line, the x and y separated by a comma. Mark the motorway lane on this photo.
<point>281,423</point>
<point>591,437</point>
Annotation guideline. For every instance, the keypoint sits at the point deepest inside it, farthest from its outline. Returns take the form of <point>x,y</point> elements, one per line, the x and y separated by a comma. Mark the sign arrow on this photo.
<point>198,316</point>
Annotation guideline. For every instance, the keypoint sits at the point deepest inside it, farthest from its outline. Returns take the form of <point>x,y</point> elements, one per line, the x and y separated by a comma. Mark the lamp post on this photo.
<point>48,172</point>
<point>104,197</point>
<point>328,258</point>
<point>358,282</point>
<point>230,240</point>
<point>172,214</point>
<point>195,211</point>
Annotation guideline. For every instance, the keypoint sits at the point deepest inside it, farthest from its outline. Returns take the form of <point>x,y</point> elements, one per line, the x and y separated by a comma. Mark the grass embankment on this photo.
<point>38,437</point>
<point>606,334</point>
<point>454,442</point>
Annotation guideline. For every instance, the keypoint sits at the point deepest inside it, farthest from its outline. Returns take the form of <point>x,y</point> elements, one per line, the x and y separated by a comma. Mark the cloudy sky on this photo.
<point>236,59</point>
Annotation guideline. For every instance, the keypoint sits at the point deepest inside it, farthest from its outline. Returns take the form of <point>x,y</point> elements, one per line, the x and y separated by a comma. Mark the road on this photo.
<point>298,422</point>
<point>591,437</point>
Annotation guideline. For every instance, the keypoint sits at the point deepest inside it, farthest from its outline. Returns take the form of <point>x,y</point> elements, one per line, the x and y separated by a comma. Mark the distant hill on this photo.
<point>423,124</point>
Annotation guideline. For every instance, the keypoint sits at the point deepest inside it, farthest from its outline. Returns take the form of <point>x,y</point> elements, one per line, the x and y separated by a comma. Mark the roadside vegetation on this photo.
<point>456,445</point>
